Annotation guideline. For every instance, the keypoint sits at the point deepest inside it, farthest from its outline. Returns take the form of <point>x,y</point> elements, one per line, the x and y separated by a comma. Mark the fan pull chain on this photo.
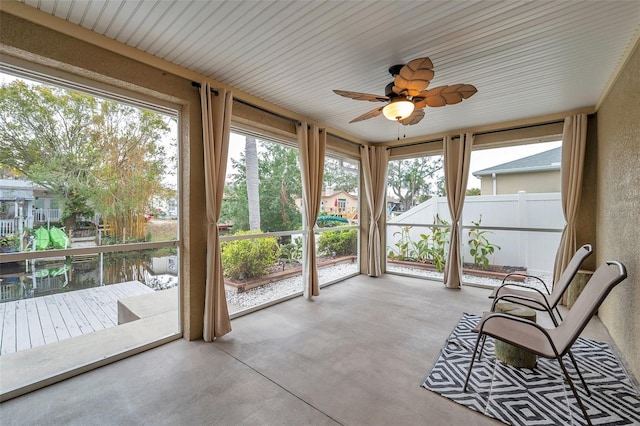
<point>404,131</point>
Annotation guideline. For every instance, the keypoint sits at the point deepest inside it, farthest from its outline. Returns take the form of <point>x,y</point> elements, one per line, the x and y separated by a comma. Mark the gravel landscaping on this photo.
<point>467,278</point>
<point>278,289</point>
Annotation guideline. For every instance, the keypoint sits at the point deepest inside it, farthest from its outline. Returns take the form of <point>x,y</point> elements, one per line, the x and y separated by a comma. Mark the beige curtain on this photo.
<point>574,141</point>
<point>216,120</point>
<point>374,162</point>
<point>457,155</point>
<point>311,144</point>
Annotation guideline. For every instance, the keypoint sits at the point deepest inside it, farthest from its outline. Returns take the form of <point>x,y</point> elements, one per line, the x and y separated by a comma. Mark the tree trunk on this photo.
<point>509,354</point>
<point>70,223</point>
<point>253,189</point>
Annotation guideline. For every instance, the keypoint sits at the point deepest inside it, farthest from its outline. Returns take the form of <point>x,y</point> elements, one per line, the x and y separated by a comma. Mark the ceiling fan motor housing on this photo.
<point>388,91</point>
<point>395,69</point>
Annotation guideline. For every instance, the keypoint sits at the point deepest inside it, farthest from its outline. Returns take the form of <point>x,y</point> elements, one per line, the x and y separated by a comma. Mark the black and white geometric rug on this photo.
<point>538,396</point>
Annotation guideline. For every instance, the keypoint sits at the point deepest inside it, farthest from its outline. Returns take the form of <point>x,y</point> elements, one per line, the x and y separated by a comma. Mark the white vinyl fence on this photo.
<point>535,223</point>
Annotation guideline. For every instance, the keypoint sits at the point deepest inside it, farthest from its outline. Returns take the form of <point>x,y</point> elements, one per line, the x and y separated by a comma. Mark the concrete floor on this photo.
<point>356,355</point>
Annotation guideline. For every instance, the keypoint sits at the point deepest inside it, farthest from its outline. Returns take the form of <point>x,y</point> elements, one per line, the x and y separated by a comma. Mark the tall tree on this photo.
<point>95,155</point>
<point>131,164</point>
<point>415,180</point>
<point>46,135</point>
<point>341,175</point>
<point>279,185</point>
<point>253,187</point>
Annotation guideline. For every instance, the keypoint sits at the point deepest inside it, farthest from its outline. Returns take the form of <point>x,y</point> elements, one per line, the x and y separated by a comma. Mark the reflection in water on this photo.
<point>32,279</point>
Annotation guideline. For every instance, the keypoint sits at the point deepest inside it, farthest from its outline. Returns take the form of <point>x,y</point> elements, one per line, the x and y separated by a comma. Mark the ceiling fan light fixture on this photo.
<point>398,109</point>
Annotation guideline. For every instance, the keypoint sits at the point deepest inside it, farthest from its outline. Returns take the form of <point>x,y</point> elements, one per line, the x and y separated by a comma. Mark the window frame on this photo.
<point>119,91</point>
<point>288,143</point>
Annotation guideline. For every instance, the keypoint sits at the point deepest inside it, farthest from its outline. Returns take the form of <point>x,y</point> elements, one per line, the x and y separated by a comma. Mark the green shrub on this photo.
<point>479,246</point>
<point>291,252</point>
<point>339,243</point>
<point>250,258</point>
<point>430,248</point>
<point>439,238</point>
<point>10,242</point>
<point>401,251</point>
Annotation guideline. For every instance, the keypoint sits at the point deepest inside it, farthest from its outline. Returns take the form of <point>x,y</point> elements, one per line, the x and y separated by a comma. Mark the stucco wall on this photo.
<point>586,218</point>
<point>618,205</point>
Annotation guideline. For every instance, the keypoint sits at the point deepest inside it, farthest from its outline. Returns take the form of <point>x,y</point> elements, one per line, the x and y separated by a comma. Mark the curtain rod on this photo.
<point>275,114</point>
<point>289,119</point>
<point>419,143</point>
<point>528,126</point>
<point>345,140</point>
<point>488,132</point>
<point>560,120</point>
<point>198,85</point>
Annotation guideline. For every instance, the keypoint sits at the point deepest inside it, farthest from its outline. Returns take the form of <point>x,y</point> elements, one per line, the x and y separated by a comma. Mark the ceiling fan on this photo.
<point>407,95</point>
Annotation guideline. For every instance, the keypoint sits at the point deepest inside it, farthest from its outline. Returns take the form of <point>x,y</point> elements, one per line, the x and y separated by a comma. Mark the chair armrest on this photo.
<point>505,284</point>
<point>516,274</point>
<point>514,298</point>
<point>544,296</point>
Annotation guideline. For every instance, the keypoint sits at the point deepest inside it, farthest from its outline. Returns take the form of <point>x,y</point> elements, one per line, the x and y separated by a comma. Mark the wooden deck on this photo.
<point>28,323</point>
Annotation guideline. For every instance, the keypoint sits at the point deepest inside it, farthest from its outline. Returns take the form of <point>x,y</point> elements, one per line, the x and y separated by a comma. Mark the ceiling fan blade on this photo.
<point>467,90</point>
<point>456,93</point>
<point>432,98</point>
<point>414,77</point>
<point>361,96</point>
<point>416,116</point>
<point>373,113</point>
<point>452,95</point>
<point>445,95</point>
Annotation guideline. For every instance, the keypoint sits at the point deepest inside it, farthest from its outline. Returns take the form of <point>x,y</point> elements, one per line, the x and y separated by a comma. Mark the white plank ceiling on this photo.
<point>526,58</point>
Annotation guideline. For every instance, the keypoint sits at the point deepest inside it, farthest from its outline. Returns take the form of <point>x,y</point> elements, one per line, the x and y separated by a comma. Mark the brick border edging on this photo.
<point>277,276</point>
<point>479,272</point>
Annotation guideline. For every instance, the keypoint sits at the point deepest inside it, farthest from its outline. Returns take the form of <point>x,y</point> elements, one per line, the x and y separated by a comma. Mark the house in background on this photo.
<point>23,204</point>
<point>339,203</point>
<point>538,173</point>
<point>394,206</point>
<point>164,206</point>
<point>336,203</point>
<point>24,201</point>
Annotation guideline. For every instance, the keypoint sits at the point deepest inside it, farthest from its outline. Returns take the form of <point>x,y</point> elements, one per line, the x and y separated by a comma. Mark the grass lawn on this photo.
<point>162,230</point>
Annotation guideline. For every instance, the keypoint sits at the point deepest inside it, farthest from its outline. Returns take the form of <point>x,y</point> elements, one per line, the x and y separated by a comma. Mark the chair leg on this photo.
<point>484,339</point>
<point>473,358</point>
<point>575,392</point>
<point>558,312</point>
<point>575,364</point>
